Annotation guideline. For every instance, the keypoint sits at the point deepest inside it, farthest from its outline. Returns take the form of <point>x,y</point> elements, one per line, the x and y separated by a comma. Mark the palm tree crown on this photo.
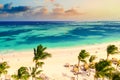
<point>92,58</point>
<point>40,54</point>
<point>83,54</point>
<point>34,72</point>
<point>22,74</point>
<point>91,63</point>
<point>3,68</point>
<point>103,69</point>
<point>111,49</point>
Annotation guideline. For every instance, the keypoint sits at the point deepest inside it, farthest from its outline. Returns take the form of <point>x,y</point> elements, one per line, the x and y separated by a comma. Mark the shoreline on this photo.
<point>7,51</point>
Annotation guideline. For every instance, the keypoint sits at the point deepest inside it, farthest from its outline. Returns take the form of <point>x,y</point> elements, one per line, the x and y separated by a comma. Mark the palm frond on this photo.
<point>22,73</point>
<point>39,64</point>
<point>112,49</point>
<point>92,58</point>
<point>45,55</point>
<point>38,72</point>
<point>15,77</point>
<point>83,54</point>
<point>82,60</point>
<point>108,69</point>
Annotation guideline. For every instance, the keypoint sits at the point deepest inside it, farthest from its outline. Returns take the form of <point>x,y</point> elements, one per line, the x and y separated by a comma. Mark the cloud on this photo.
<point>44,11</point>
<point>57,5</point>
<point>72,12</point>
<point>58,11</point>
<point>18,9</point>
<point>7,8</point>
<point>61,13</point>
<point>37,13</point>
<point>49,0</point>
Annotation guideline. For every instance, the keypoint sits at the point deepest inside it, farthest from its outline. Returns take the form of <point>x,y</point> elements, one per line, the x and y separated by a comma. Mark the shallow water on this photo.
<point>27,35</point>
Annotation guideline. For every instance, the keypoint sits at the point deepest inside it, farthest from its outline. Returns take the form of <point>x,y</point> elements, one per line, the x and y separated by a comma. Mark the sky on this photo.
<point>46,10</point>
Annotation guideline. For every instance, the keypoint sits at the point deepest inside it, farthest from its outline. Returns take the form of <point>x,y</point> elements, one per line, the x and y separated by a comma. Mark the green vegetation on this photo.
<point>115,75</point>
<point>25,73</point>
<point>103,69</point>
<point>111,50</point>
<point>91,61</point>
<point>82,56</point>
<point>39,54</point>
<point>22,74</point>
<point>3,68</point>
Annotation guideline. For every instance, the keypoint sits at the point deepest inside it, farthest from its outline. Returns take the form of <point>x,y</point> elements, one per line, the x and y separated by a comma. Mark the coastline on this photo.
<point>54,66</point>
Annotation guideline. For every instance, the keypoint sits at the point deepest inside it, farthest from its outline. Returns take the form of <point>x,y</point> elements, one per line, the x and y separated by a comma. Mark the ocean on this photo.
<point>22,35</point>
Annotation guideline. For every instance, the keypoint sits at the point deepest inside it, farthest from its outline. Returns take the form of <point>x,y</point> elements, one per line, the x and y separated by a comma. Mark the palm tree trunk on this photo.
<point>77,76</point>
<point>78,68</point>
<point>33,78</point>
<point>89,72</point>
<point>116,67</point>
<point>107,56</point>
<point>78,65</point>
<point>94,78</point>
<point>103,78</point>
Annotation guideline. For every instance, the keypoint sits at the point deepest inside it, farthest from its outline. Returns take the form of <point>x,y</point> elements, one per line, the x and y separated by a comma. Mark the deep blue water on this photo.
<point>27,35</point>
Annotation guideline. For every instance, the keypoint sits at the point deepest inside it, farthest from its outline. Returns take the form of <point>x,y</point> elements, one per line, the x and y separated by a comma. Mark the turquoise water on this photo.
<point>27,35</point>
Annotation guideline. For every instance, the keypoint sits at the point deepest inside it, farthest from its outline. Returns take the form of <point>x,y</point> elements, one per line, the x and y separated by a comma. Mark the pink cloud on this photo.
<point>44,11</point>
<point>72,12</point>
<point>52,0</point>
<point>58,11</point>
<point>57,5</point>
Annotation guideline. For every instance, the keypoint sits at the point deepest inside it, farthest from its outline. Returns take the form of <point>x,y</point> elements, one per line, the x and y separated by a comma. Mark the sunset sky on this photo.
<point>59,10</point>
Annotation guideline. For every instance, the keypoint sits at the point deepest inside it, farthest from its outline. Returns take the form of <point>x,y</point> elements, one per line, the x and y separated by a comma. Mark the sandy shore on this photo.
<point>54,66</point>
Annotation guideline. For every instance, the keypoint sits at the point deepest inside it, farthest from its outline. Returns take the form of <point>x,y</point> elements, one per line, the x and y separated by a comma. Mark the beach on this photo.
<point>54,66</point>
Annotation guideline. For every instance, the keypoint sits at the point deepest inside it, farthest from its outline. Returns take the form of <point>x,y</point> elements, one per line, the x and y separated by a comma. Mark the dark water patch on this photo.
<point>84,32</point>
<point>48,39</point>
<point>8,39</point>
<point>12,32</point>
<point>95,30</point>
<point>33,22</point>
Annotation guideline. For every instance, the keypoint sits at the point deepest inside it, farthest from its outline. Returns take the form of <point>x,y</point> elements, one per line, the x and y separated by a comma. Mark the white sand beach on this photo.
<point>54,66</point>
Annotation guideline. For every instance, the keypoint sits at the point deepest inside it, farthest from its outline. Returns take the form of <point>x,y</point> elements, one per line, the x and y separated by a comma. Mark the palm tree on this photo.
<point>81,58</point>
<point>103,69</point>
<point>22,74</point>
<point>3,68</point>
<point>111,49</point>
<point>39,54</point>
